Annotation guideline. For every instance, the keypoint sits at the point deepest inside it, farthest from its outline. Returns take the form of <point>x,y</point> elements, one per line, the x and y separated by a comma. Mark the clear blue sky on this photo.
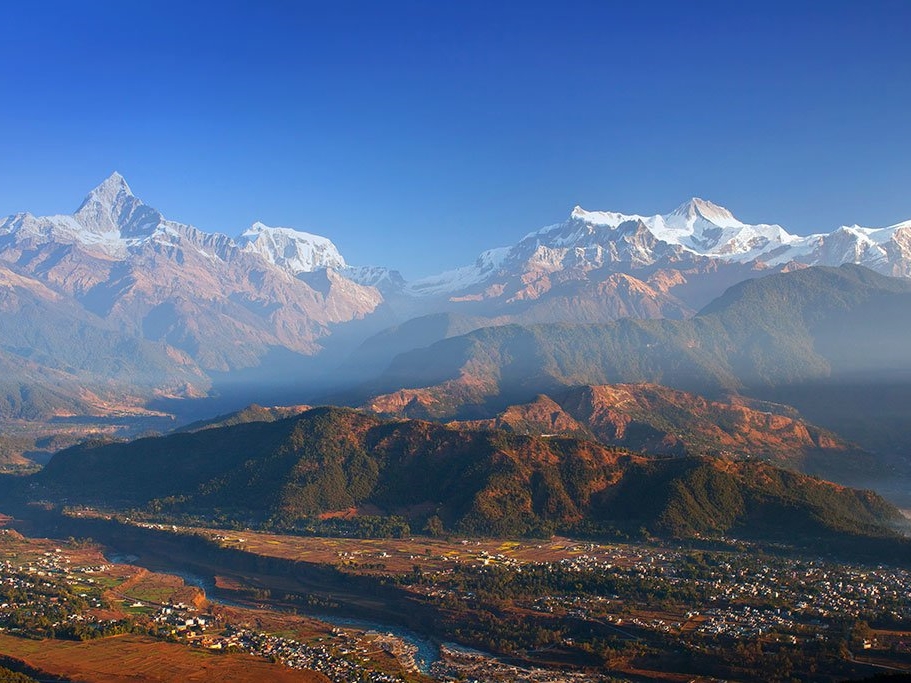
<point>416,134</point>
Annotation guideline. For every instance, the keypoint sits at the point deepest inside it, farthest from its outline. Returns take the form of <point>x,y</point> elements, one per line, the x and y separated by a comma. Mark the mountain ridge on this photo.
<point>698,236</point>
<point>203,293</point>
<point>229,307</point>
<point>700,227</point>
<point>657,420</point>
<point>483,483</point>
<point>779,330</point>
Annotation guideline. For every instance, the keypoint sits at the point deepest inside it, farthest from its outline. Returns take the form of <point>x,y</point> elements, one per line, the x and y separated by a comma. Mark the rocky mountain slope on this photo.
<point>601,266</point>
<point>58,359</point>
<point>222,302</point>
<point>785,329</point>
<point>653,419</point>
<point>113,306</point>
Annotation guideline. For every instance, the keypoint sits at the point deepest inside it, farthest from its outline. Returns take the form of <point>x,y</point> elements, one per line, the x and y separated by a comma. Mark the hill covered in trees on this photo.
<point>330,461</point>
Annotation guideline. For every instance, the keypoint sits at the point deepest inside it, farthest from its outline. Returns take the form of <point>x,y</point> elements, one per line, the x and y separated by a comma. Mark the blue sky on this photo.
<point>416,134</point>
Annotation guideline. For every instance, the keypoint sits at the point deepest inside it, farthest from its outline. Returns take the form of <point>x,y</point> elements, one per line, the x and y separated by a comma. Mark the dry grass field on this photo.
<point>396,555</point>
<point>130,658</point>
<point>154,588</point>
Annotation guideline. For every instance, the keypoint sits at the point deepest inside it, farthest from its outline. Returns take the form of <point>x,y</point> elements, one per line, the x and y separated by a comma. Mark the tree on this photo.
<point>434,526</point>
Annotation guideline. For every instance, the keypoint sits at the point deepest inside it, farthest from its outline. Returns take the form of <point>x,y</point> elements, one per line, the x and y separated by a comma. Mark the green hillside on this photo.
<point>331,460</point>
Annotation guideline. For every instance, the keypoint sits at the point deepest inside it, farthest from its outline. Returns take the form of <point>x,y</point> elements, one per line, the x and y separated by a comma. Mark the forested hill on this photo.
<point>331,460</point>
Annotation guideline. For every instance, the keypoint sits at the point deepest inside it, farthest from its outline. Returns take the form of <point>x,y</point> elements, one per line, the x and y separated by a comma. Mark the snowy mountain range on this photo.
<point>695,234</point>
<point>168,305</point>
<point>113,221</point>
<point>223,301</point>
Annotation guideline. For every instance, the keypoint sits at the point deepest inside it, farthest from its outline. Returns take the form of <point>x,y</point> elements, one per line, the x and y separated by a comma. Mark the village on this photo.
<point>342,657</point>
<point>736,590</point>
<point>740,595</point>
<point>641,594</point>
<point>45,594</point>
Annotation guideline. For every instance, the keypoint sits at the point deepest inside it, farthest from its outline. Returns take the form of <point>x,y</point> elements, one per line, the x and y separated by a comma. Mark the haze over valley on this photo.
<point>175,324</point>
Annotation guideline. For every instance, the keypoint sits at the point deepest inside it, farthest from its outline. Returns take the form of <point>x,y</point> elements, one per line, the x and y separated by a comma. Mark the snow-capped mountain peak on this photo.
<point>114,222</point>
<point>610,219</point>
<point>102,205</point>
<point>693,216</point>
<point>113,211</point>
<point>698,225</point>
<point>578,213</point>
<point>109,189</point>
<point>697,229</point>
<point>291,250</point>
<point>688,213</point>
<point>119,267</point>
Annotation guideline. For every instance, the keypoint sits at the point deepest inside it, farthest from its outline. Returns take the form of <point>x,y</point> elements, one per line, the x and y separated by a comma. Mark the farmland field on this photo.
<point>128,658</point>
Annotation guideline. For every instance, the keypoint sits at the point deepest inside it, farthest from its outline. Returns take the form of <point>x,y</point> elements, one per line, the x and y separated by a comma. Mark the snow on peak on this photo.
<point>699,226</point>
<point>587,238</point>
<point>113,185</point>
<point>111,192</point>
<point>610,219</point>
<point>688,213</point>
<point>486,265</point>
<point>112,210</point>
<point>114,221</point>
<point>291,250</point>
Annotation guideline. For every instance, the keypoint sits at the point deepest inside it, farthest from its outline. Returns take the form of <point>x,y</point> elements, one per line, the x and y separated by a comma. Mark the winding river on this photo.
<point>427,651</point>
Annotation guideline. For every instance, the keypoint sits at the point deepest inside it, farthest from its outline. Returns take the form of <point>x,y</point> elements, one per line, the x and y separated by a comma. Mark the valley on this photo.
<point>486,552</point>
<point>532,610</point>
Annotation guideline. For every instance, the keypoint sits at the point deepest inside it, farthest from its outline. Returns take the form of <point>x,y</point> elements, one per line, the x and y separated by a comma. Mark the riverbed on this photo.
<point>427,651</point>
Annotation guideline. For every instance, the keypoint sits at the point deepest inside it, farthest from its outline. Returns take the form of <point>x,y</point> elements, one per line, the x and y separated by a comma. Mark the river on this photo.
<point>427,651</point>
